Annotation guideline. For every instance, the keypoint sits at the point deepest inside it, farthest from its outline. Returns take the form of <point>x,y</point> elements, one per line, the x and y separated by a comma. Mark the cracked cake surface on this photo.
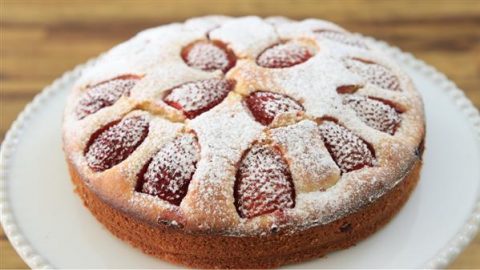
<point>243,126</point>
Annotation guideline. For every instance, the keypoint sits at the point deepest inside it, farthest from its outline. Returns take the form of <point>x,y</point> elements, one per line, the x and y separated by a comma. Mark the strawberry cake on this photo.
<point>244,142</point>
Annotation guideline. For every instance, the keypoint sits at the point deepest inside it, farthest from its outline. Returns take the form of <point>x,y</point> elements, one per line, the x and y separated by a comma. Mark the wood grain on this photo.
<point>42,39</point>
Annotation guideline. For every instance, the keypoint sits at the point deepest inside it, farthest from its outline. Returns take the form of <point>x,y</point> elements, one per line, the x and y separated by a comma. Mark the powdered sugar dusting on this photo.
<point>115,143</point>
<point>104,94</point>
<point>171,169</point>
<point>374,113</point>
<point>225,131</point>
<point>224,134</point>
<point>265,106</point>
<point>264,183</point>
<point>374,73</point>
<point>310,163</point>
<point>344,38</point>
<point>305,28</point>
<point>349,151</point>
<point>247,36</point>
<point>284,55</point>
<point>197,97</point>
<point>207,56</point>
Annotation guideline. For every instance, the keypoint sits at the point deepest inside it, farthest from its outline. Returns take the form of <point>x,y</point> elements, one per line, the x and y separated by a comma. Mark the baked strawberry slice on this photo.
<point>263,182</point>
<point>265,106</point>
<point>348,89</point>
<point>209,56</point>
<point>104,94</point>
<point>195,98</point>
<point>284,55</point>
<point>374,73</point>
<point>113,143</point>
<point>344,38</point>
<point>376,113</point>
<point>349,151</point>
<point>168,174</point>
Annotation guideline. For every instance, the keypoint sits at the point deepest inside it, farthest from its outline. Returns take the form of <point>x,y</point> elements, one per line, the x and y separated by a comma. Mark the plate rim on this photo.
<point>35,260</point>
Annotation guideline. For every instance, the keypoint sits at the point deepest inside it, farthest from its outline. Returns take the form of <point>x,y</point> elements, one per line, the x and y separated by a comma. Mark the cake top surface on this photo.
<point>243,126</point>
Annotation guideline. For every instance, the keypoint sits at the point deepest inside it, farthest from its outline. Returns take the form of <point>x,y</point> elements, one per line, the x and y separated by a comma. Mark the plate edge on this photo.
<point>22,246</point>
<point>470,228</point>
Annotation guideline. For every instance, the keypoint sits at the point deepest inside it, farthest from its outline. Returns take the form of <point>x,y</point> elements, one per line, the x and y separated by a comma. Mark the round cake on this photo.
<point>244,142</point>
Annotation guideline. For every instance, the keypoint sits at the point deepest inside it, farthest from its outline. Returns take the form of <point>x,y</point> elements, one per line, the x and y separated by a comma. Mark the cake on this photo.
<point>244,142</point>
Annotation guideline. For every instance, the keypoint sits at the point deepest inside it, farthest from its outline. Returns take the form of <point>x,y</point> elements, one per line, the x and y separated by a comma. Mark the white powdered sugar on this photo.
<point>344,38</point>
<point>278,104</point>
<point>239,126</point>
<point>284,55</point>
<point>116,143</point>
<point>374,113</point>
<point>265,106</point>
<point>374,73</point>
<point>304,29</point>
<point>225,131</point>
<point>104,94</point>
<point>263,182</point>
<point>247,36</point>
<point>171,169</point>
<point>195,97</point>
<point>348,150</point>
<point>207,56</point>
<point>310,163</point>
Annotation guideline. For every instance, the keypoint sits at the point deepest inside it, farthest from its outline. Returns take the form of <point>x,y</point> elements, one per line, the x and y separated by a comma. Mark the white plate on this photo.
<point>49,227</point>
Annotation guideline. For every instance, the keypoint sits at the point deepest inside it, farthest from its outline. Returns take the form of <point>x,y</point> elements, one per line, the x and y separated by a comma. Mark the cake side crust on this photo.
<point>216,251</point>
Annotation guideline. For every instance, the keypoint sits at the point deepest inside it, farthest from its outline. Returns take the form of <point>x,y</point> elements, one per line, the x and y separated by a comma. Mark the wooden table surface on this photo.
<point>42,39</point>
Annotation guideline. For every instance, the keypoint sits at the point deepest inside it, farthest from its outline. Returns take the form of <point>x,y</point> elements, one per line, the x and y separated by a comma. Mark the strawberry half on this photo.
<point>284,55</point>
<point>349,151</point>
<point>113,143</point>
<point>209,56</point>
<point>195,98</point>
<point>376,113</point>
<point>265,106</point>
<point>168,174</point>
<point>374,73</point>
<point>104,94</point>
<point>263,182</point>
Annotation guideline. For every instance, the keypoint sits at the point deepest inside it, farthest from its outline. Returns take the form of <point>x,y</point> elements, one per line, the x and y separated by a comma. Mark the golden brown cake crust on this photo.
<point>216,251</point>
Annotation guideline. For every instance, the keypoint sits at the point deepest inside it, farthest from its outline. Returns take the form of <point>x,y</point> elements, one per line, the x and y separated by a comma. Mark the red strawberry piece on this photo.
<point>344,38</point>
<point>209,56</point>
<point>104,94</point>
<point>284,55</point>
<point>263,182</point>
<point>376,113</point>
<point>348,89</point>
<point>349,151</point>
<point>374,73</point>
<point>195,98</point>
<point>113,143</point>
<point>168,174</point>
<point>265,106</point>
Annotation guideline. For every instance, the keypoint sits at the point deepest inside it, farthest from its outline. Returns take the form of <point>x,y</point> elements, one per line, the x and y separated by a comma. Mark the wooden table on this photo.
<point>42,39</point>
